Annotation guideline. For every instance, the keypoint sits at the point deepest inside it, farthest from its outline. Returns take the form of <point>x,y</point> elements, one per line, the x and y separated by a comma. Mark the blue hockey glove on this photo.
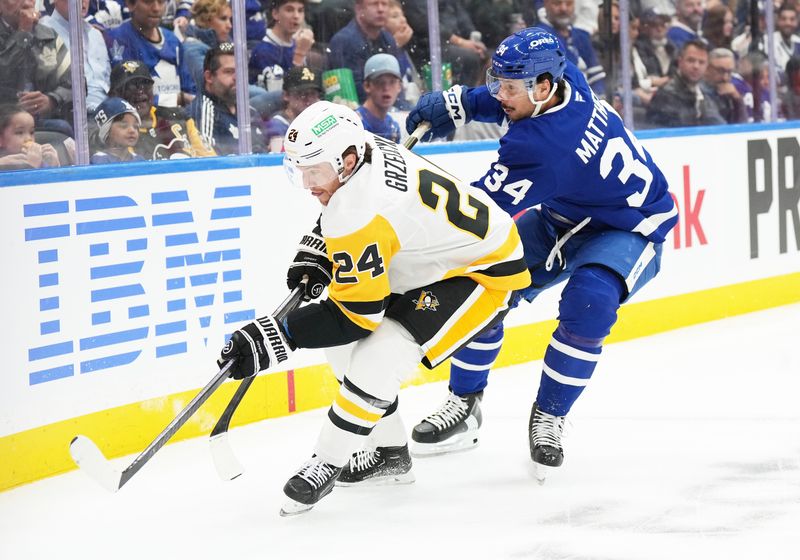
<point>445,110</point>
<point>255,347</point>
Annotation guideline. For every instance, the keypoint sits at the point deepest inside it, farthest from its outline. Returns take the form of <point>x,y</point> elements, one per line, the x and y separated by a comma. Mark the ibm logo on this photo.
<point>127,250</point>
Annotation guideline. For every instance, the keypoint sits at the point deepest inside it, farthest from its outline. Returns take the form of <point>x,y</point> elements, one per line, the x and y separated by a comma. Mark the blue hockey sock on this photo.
<point>587,311</point>
<point>469,367</point>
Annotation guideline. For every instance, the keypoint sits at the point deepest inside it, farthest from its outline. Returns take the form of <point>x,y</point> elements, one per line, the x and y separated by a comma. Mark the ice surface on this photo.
<point>686,445</point>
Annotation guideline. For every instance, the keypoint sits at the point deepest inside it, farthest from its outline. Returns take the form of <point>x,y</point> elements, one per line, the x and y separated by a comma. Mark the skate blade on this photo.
<point>388,480</point>
<point>292,507</point>
<point>540,472</point>
<point>459,442</point>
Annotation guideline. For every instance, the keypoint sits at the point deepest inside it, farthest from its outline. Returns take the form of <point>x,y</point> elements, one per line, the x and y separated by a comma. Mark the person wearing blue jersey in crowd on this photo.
<point>142,38</point>
<point>604,213</point>
<point>382,82</point>
<point>575,42</point>
<point>284,46</point>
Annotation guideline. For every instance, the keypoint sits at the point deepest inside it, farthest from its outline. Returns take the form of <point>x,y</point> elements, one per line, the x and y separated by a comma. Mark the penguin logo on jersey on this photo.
<point>426,302</point>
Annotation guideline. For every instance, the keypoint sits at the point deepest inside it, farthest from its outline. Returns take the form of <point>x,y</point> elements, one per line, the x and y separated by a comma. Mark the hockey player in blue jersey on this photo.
<point>598,211</point>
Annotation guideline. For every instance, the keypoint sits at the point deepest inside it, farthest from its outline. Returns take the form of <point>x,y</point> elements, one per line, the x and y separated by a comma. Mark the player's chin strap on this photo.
<point>537,105</point>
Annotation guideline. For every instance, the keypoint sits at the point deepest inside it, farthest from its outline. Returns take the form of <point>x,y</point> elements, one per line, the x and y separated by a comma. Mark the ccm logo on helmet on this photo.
<point>544,40</point>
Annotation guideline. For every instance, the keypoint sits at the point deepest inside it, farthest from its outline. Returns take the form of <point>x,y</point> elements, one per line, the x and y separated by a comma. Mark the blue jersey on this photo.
<point>578,161</point>
<point>165,60</point>
<point>385,128</point>
<point>270,52</point>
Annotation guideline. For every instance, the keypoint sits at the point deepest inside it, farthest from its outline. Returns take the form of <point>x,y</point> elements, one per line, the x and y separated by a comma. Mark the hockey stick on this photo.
<point>416,136</point>
<point>91,460</point>
<point>228,466</point>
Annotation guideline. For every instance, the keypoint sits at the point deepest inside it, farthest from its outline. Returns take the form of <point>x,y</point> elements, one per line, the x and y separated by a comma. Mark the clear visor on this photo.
<point>509,88</point>
<point>309,176</point>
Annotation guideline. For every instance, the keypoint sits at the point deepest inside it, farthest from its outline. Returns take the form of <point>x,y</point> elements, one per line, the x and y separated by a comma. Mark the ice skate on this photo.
<point>312,482</point>
<point>544,433</point>
<point>383,465</point>
<point>454,427</point>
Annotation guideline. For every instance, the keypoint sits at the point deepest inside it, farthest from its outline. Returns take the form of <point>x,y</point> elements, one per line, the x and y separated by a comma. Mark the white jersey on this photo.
<point>402,223</point>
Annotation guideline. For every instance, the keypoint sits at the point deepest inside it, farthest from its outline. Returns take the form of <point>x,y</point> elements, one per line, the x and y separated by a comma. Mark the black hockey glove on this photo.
<point>445,110</point>
<point>255,347</point>
<point>312,261</point>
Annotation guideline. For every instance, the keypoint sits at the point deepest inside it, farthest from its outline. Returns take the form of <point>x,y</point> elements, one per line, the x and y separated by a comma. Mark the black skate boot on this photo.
<point>454,427</point>
<point>384,465</point>
<point>313,481</point>
<point>544,433</point>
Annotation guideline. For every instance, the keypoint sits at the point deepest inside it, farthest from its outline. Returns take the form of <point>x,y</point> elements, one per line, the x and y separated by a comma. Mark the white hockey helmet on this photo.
<point>320,135</point>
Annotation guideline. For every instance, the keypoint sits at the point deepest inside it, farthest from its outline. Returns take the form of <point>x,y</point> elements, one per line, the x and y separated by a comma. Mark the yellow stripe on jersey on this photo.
<point>360,320</point>
<point>355,410</point>
<point>467,322</point>
<point>360,268</point>
<point>511,249</point>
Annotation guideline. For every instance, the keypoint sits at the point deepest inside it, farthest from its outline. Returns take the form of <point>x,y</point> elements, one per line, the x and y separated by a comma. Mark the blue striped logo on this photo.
<point>199,266</point>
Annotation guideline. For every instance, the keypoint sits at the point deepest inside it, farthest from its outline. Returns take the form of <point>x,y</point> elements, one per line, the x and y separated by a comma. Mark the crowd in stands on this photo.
<point>160,75</point>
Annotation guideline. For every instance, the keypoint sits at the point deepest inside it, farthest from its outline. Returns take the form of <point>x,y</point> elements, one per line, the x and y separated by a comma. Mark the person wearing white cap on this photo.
<point>382,84</point>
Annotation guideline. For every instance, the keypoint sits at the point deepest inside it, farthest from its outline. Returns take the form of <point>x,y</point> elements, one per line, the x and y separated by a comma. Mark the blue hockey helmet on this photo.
<point>528,54</point>
<point>525,56</point>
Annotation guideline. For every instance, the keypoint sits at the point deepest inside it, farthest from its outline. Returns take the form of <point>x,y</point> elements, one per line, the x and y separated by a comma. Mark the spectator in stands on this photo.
<point>142,38</point>
<point>460,46</point>
<point>164,132</point>
<point>577,43</point>
<point>752,81</point>
<point>302,87</point>
<point>96,66</point>
<point>256,26</point>
<point>740,44</point>
<point>687,23</point>
<point>681,102</point>
<point>787,42</point>
<point>652,46</point>
<point>285,45</point>
<point>214,110</point>
<point>18,148</point>
<point>397,25</point>
<point>107,14</point>
<point>118,131</point>
<point>365,35</point>
<point>790,99</point>
<point>718,85</point>
<point>34,66</point>
<point>718,27</point>
<point>382,83</point>
<point>498,20</point>
<point>212,25</point>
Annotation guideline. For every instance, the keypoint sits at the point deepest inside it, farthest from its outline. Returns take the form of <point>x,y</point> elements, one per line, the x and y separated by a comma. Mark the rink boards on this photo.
<point>121,282</point>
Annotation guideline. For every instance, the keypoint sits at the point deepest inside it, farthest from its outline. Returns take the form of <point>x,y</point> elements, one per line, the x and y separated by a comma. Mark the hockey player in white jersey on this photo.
<point>596,212</point>
<point>418,264</point>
